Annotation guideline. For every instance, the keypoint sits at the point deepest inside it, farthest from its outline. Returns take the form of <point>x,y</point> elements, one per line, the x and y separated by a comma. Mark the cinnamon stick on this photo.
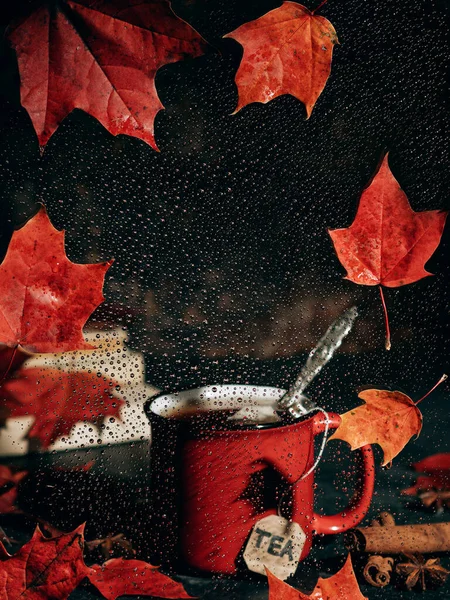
<point>400,539</point>
<point>378,570</point>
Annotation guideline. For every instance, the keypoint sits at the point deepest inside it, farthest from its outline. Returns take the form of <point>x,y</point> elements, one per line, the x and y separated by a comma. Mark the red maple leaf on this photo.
<point>286,51</point>
<point>341,586</point>
<point>49,568</point>
<point>58,400</point>
<point>3,580</point>
<point>121,577</point>
<point>436,469</point>
<point>9,480</point>
<point>100,56</point>
<point>388,243</point>
<point>45,299</point>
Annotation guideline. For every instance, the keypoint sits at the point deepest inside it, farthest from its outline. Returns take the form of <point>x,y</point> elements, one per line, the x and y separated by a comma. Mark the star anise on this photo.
<point>439,498</point>
<point>418,571</point>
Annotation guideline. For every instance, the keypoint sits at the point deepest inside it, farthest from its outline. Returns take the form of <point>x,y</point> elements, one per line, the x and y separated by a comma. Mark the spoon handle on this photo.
<point>317,359</point>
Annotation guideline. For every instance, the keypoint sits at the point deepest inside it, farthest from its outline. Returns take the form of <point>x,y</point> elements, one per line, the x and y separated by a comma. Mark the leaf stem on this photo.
<point>387,342</point>
<point>443,378</point>
<point>319,7</point>
<point>8,368</point>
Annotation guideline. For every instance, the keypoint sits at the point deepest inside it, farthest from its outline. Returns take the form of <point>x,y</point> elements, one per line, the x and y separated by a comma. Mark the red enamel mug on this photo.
<point>215,476</point>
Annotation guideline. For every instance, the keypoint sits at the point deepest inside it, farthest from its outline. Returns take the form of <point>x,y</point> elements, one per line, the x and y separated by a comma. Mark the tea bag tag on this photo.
<point>275,543</point>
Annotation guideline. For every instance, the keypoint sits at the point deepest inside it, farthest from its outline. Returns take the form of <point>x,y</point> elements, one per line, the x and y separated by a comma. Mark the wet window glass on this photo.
<point>228,375</point>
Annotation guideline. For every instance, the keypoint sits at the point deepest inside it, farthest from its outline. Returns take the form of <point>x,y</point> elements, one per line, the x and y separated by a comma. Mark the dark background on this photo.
<point>223,267</point>
<point>220,243</point>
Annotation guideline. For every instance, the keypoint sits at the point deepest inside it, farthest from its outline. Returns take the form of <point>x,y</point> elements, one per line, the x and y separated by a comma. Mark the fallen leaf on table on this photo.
<point>436,464</point>
<point>437,474</point>
<point>101,57</point>
<point>45,299</point>
<point>286,51</point>
<point>49,568</point>
<point>433,488</point>
<point>279,590</point>
<point>341,586</point>
<point>58,400</point>
<point>121,577</point>
<point>387,418</point>
<point>388,243</point>
<point>9,481</point>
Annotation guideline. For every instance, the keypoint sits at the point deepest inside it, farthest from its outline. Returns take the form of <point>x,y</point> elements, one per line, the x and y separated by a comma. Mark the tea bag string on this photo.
<point>304,475</point>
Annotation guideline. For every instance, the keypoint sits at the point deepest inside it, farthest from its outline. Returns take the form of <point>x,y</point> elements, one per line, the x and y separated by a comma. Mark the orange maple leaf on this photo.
<point>388,419</point>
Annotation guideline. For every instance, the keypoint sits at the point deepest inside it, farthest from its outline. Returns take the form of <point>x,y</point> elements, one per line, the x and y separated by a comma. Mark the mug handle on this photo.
<point>359,504</point>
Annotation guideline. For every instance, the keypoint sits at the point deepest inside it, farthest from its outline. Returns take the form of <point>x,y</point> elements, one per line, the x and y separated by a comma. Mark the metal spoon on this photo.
<point>294,401</point>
